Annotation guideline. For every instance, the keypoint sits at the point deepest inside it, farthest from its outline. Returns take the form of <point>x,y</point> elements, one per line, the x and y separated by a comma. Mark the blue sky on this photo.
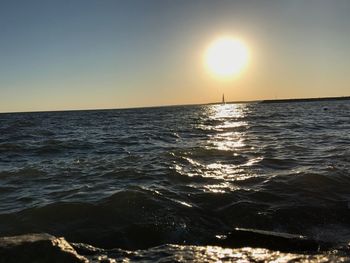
<point>84,54</point>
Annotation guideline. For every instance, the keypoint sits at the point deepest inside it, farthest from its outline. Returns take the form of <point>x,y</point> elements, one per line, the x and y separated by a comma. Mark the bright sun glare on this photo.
<point>226,57</point>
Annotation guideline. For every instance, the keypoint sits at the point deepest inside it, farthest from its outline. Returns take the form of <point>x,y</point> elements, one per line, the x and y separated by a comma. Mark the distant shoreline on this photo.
<point>305,99</point>
<point>285,100</point>
<point>210,103</point>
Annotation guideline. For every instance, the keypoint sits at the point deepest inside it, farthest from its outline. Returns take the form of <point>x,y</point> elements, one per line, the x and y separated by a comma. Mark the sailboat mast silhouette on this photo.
<point>223,99</point>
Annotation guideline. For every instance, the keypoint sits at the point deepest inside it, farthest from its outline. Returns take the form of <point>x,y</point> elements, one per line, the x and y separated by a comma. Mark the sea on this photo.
<point>187,176</point>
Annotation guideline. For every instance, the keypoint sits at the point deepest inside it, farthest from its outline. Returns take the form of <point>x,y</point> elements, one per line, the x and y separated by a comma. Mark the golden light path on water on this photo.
<point>221,156</point>
<point>244,255</point>
<point>227,139</point>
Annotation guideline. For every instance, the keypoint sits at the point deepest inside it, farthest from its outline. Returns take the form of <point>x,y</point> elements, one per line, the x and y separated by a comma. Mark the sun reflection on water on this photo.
<point>228,136</point>
<point>224,155</point>
<point>243,255</point>
<point>228,111</point>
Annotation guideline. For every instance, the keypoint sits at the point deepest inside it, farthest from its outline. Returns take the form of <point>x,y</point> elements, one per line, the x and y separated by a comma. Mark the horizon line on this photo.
<point>347,97</point>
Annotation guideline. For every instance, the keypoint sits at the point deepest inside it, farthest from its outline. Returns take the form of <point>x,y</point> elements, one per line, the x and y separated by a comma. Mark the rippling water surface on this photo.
<point>177,175</point>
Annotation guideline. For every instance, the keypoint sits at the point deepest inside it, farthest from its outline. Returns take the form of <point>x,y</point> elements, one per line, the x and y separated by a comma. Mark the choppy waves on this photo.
<point>182,175</point>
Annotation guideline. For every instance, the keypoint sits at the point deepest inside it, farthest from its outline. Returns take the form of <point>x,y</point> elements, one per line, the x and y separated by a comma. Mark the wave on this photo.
<point>135,218</point>
<point>140,217</point>
<point>139,178</point>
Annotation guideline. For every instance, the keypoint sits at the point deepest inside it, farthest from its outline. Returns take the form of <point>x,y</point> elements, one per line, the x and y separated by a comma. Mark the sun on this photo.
<point>226,57</point>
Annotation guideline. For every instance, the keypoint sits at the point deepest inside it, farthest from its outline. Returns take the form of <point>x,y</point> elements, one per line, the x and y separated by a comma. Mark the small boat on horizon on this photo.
<point>223,99</point>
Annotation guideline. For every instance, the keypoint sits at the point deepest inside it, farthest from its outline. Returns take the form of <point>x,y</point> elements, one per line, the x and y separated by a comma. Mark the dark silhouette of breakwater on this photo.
<point>284,100</point>
<point>305,99</point>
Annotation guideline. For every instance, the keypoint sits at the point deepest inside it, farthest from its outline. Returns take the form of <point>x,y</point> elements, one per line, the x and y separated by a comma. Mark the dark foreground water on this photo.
<point>139,178</point>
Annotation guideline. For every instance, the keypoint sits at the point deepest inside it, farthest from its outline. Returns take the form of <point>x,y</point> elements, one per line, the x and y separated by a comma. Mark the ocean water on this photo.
<point>187,175</point>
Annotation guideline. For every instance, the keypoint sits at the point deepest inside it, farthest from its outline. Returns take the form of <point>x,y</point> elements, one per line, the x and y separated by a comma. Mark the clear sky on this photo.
<point>86,54</point>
